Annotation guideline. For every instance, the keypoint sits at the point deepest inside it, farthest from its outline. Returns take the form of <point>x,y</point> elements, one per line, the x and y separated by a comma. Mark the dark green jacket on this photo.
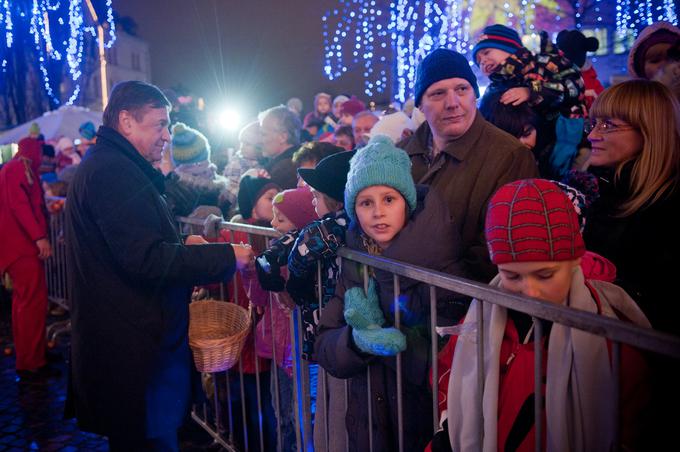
<point>465,174</point>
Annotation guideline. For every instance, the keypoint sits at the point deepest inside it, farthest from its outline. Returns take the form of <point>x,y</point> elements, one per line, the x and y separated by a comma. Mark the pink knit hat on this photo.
<point>296,205</point>
<point>532,220</point>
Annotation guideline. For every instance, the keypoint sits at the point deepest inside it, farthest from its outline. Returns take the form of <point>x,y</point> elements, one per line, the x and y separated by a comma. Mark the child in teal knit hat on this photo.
<point>392,217</point>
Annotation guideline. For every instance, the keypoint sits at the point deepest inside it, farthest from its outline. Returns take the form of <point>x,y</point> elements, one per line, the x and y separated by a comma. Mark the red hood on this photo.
<point>31,149</point>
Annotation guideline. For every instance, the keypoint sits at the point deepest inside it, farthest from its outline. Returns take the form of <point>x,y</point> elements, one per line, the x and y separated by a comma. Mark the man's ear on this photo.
<point>125,119</point>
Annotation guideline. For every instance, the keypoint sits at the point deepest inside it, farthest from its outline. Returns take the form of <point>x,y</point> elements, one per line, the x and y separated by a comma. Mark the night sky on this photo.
<point>254,53</point>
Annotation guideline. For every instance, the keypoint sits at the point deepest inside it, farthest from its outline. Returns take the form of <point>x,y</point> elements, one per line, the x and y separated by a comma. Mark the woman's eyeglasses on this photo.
<point>605,126</point>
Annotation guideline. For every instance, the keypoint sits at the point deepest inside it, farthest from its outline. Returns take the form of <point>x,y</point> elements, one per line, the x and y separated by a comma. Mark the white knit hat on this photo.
<point>392,125</point>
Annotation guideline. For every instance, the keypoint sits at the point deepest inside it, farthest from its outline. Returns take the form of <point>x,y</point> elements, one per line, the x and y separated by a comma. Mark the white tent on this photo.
<point>53,124</point>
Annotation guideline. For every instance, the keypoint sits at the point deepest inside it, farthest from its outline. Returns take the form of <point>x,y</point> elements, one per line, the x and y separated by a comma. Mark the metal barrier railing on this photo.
<point>618,332</point>
<point>55,266</point>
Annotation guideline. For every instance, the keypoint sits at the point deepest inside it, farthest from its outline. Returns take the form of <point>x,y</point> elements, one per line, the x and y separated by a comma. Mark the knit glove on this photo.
<point>363,310</point>
<point>363,314</point>
<point>379,341</point>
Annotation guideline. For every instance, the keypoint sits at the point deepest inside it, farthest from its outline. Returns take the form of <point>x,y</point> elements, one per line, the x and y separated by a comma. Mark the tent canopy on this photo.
<point>64,121</point>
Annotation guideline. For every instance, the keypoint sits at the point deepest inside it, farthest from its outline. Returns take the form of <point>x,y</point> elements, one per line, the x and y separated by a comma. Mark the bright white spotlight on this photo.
<point>229,119</point>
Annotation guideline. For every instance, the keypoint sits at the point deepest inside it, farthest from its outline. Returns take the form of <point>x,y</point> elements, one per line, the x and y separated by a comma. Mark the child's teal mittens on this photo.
<point>380,341</point>
<point>363,314</point>
<point>363,310</point>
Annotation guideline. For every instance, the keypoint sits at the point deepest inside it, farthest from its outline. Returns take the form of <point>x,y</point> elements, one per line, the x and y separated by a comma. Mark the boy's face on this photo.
<point>656,57</point>
<point>263,207</point>
<point>346,119</point>
<point>319,203</point>
<point>313,130</point>
<point>323,105</point>
<point>336,108</point>
<point>280,222</point>
<point>489,59</point>
<point>381,211</point>
<point>548,281</point>
<point>344,142</point>
<point>251,146</point>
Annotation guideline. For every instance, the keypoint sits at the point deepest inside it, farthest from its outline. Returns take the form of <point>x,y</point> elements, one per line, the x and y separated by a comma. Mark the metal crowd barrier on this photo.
<point>55,266</point>
<point>213,421</point>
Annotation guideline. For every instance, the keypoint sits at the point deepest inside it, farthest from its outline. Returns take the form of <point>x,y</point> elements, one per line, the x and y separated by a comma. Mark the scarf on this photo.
<point>202,170</point>
<point>579,395</point>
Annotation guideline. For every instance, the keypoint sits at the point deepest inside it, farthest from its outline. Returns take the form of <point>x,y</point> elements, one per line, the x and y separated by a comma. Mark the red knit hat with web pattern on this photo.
<point>532,220</point>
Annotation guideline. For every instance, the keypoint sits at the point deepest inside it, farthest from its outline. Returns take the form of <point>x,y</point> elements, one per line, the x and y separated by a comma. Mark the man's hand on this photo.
<point>44,248</point>
<point>515,96</point>
<point>244,255</point>
<point>195,240</point>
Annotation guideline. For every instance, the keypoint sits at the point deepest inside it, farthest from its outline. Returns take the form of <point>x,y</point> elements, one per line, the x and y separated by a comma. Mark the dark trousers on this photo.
<point>252,424</point>
<point>165,443</point>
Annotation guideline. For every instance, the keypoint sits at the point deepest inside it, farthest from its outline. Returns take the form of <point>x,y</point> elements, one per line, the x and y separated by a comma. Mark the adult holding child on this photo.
<point>461,155</point>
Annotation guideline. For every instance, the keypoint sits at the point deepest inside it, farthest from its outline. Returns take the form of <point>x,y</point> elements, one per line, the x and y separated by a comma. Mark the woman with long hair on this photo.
<point>635,154</point>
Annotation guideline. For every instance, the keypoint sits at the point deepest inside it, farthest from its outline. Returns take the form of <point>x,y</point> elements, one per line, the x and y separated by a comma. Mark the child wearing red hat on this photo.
<point>534,238</point>
<point>292,210</point>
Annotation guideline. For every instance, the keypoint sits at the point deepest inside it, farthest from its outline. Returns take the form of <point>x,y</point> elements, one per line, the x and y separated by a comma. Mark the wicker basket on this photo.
<point>217,332</point>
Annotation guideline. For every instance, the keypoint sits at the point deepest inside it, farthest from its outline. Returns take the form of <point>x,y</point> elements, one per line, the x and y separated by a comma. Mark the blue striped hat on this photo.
<point>497,37</point>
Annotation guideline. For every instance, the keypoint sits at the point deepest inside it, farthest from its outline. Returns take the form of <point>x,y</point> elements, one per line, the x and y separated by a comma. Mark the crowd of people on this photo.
<point>547,185</point>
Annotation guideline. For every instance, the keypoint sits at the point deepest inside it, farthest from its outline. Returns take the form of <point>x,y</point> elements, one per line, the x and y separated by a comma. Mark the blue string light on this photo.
<point>358,36</point>
<point>58,31</point>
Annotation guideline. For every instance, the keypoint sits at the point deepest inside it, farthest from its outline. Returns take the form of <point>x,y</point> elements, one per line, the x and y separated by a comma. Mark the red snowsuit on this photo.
<point>22,223</point>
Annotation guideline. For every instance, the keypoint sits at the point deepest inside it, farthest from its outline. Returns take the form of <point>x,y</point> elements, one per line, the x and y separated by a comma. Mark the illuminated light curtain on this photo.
<point>58,29</point>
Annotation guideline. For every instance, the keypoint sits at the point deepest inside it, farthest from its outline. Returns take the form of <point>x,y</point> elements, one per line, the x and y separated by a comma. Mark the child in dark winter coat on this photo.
<point>195,180</point>
<point>254,204</point>
<point>291,211</point>
<point>316,245</point>
<point>322,115</point>
<point>547,81</point>
<point>575,46</point>
<point>318,242</point>
<point>357,331</point>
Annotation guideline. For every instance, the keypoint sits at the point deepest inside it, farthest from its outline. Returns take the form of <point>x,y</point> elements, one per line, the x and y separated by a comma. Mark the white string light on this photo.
<point>58,30</point>
<point>357,35</point>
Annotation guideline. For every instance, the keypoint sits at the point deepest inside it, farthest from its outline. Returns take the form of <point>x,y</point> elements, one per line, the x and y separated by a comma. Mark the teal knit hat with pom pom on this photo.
<point>188,145</point>
<point>380,162</point>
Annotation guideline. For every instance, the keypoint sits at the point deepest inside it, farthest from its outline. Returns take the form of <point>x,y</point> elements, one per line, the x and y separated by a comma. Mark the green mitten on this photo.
<point>380,341</point>
<point>363,310</point>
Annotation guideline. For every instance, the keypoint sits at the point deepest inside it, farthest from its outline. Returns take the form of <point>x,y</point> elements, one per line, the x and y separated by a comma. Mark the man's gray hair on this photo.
<point>363,113</point>
<point>286,121</point>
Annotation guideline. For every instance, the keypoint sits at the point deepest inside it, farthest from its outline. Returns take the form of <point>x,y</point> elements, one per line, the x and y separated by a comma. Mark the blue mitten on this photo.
<point>363,310</point>
<point>380,341</point>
